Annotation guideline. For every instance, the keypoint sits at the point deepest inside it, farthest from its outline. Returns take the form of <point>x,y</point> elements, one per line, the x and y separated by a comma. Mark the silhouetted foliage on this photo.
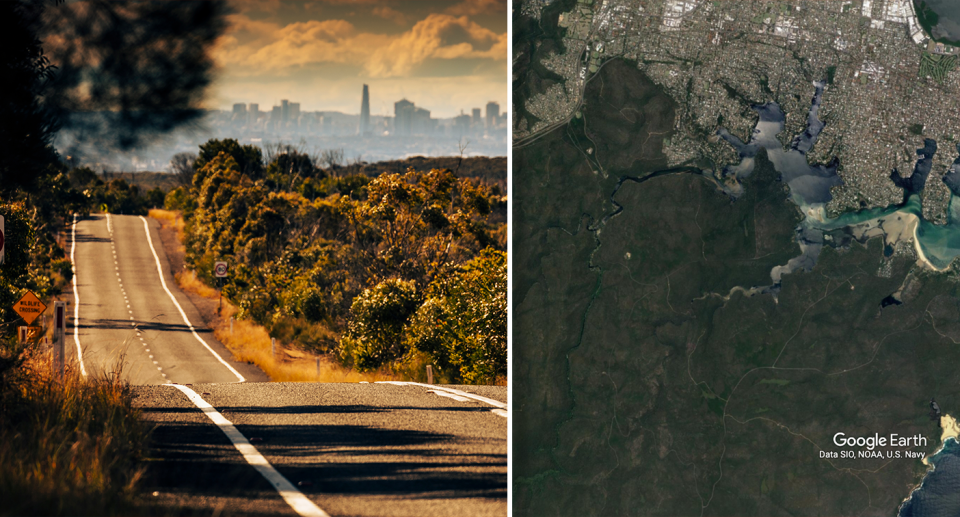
<point>26,124</point>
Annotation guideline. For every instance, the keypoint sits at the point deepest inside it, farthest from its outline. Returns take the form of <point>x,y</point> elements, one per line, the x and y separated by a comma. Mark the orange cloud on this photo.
<point>438,36</point>
<point>252,47</point>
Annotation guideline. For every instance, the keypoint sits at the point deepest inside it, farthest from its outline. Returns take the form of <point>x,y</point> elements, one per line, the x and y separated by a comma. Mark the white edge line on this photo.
<point>492,402</point>
<point>76,296</point>
<point>163,282</point>
<point>293,496</point>
<point>442,393</point>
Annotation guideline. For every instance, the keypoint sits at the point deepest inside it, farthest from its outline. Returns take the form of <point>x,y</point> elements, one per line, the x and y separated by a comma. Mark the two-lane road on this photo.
<point>349,449</point>
<point>131,308</point>
<point>223,445</point>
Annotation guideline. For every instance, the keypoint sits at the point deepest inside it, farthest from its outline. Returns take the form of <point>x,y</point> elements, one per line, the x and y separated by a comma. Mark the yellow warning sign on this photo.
<point>29,307</point>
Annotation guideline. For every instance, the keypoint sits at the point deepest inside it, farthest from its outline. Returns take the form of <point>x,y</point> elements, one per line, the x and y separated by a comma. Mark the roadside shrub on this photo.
<point>463,323</point>
<point>374,336</point>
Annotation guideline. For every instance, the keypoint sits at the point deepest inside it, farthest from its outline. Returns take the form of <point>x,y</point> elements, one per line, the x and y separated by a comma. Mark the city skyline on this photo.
<point>408,119</point>
<point>323,52</point>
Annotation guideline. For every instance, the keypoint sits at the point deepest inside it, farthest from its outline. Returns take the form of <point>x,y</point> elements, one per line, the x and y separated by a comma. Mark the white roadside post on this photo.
<point>59,331</point>
<point>429,374</point>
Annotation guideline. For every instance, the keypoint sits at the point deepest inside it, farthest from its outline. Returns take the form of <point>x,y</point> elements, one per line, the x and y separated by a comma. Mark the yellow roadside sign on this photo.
<point>29,307</point>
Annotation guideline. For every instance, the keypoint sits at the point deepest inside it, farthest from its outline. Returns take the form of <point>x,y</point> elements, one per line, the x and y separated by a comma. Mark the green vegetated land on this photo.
<point>380,269</point>
<point>534,40</point>
<point>937,66</point>
<point>645,387</point>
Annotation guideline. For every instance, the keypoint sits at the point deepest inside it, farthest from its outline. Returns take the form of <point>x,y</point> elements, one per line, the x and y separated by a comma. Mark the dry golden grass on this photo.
<point>169,218</point>
<point>70,445</point>
<point>251,342</point>
<point>188,281</point>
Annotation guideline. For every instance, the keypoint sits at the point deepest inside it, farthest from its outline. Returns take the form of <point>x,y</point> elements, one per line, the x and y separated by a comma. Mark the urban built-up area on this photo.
<point>362,137</point>
<point>890,85</point>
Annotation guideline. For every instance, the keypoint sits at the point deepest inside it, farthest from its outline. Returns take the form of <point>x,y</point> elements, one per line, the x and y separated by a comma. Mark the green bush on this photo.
<point>180,199</point>
<point>374,337</point>
<point>463,323</point>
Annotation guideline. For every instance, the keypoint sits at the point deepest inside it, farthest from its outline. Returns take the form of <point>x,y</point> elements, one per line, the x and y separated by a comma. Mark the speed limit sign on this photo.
<point>220,269</point>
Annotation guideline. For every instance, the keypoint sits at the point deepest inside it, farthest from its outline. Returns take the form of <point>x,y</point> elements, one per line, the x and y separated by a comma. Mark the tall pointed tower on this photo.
<point>365,113</point>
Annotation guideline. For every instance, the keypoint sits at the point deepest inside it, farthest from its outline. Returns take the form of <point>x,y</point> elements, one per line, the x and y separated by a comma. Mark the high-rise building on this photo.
<point>477,118</point>
<point>285,111</point>
<point>365,112</point>
<point>239,111</point>
<point>253,113</point>
<point>294,114</point>
<point>493,112</point>
<point>403,117</point>
<point>276,116</point>
<point>461,123</point>
<point>422,124</point>
<point>410,120</point>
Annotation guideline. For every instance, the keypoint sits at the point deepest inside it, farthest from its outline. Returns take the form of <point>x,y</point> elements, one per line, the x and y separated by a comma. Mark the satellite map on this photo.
<point>735,279</point>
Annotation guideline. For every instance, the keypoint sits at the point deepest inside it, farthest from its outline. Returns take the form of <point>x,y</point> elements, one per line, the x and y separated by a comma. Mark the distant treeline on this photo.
<point>492,170</point>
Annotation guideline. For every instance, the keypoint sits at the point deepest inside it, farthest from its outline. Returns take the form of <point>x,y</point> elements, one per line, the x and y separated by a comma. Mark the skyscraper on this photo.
<point>294,113</point>
<point>493,112</point>
<point>403,117</point>
<point>477,118</point>
<point>285,111</point>
<point>365,112</point>
<point>461,124</point>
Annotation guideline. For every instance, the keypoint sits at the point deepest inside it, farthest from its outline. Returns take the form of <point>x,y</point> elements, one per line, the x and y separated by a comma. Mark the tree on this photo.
<point>182,166</point>
<point>462,325</point>
<point>248,158</point>
<point>26,124</point>
<point>374,337</point>
<point>415,225</point>
<point>332,159</point>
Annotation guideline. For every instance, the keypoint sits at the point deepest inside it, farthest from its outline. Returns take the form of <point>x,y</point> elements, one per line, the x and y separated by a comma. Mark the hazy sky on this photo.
<point>444,55</point>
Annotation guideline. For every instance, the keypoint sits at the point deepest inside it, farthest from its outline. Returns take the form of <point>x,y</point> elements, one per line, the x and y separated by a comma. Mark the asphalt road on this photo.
<point>351,449</point>
<point>224,447</point>
<point>126,314</point>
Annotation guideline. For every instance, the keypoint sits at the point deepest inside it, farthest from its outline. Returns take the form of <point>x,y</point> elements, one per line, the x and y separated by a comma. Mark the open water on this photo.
<point>938,496</point>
